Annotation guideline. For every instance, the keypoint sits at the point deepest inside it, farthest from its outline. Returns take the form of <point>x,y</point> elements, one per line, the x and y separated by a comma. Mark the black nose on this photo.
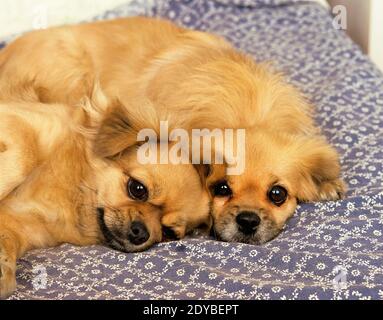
<point>248,221</point>
<point>138,234</point>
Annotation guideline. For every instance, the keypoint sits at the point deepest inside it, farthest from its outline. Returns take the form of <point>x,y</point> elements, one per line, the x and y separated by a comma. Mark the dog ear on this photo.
<point>115,134</point>
<point>319,171</point>
<point>120,124</point>
<point>204,171</point>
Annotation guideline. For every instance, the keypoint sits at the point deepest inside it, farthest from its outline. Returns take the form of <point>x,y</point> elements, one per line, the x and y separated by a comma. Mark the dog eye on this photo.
<point>137,191</point>
<point>222,189</point>
<point>277,195</point>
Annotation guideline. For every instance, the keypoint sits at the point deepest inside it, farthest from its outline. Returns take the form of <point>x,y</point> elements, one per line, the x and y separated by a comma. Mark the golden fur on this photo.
<point>195,80</point>
<point>55,189</point>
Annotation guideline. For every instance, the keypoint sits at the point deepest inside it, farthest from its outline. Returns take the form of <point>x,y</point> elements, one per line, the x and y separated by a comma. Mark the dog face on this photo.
<point>143,202</point>
<point>137,205</point>
<point>126,222</point>
<point>280,171</point>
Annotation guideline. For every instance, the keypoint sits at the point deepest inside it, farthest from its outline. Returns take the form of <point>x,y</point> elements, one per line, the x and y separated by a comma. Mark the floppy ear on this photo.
<point>120,124</point>
<point>115,134</point>
<point>204,171</point>
<point>319,172</point>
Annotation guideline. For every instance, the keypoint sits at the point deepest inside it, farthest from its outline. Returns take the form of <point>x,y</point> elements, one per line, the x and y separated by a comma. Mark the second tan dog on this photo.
<point>54,188</point>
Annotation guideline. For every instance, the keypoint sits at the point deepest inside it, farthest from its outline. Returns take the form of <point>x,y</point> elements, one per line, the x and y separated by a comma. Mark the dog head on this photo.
<point>280,171</point>
<point>140,203</point>
<point>286,160</point>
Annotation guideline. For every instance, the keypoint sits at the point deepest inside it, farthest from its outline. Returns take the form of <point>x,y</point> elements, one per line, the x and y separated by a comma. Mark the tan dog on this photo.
<point>199,81</point>
<point>55,189</point>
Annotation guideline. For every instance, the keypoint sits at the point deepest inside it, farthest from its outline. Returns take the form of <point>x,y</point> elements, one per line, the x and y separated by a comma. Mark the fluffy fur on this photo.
<point>54,188</point>
<point>195,80</point>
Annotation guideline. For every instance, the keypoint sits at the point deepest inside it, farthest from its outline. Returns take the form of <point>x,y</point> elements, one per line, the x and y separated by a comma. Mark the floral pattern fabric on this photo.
<point>328,250</point>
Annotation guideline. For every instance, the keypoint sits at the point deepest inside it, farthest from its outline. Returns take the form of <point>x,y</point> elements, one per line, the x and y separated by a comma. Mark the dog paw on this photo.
<point>332,190</point>
<point>7,281</point>
<point>172,228</point>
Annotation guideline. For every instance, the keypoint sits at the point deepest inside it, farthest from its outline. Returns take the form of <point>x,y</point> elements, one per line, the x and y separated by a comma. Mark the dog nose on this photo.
<point>138,234</point>
<point>248,221</point>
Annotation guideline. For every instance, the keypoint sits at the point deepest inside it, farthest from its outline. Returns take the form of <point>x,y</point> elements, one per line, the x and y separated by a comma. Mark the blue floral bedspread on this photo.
<point>329,250</point>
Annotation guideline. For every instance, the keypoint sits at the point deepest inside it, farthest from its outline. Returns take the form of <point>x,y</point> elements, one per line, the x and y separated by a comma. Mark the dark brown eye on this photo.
<point>222,189</point>
<point>277,195</point>
<point>137,191</point>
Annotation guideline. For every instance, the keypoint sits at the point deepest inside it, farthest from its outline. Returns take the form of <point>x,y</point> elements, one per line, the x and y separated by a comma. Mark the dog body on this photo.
<point>195,80</point>
<point>43,168</point>
<point>62,63</point>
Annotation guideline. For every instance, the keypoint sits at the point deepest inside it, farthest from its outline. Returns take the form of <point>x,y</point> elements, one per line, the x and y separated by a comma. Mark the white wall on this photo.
<point>365,25</point>
<point>376,33</point>
<point>23,15</point>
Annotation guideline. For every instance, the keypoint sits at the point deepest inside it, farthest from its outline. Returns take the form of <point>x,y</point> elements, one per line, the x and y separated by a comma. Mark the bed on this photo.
<point>328,250</point>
